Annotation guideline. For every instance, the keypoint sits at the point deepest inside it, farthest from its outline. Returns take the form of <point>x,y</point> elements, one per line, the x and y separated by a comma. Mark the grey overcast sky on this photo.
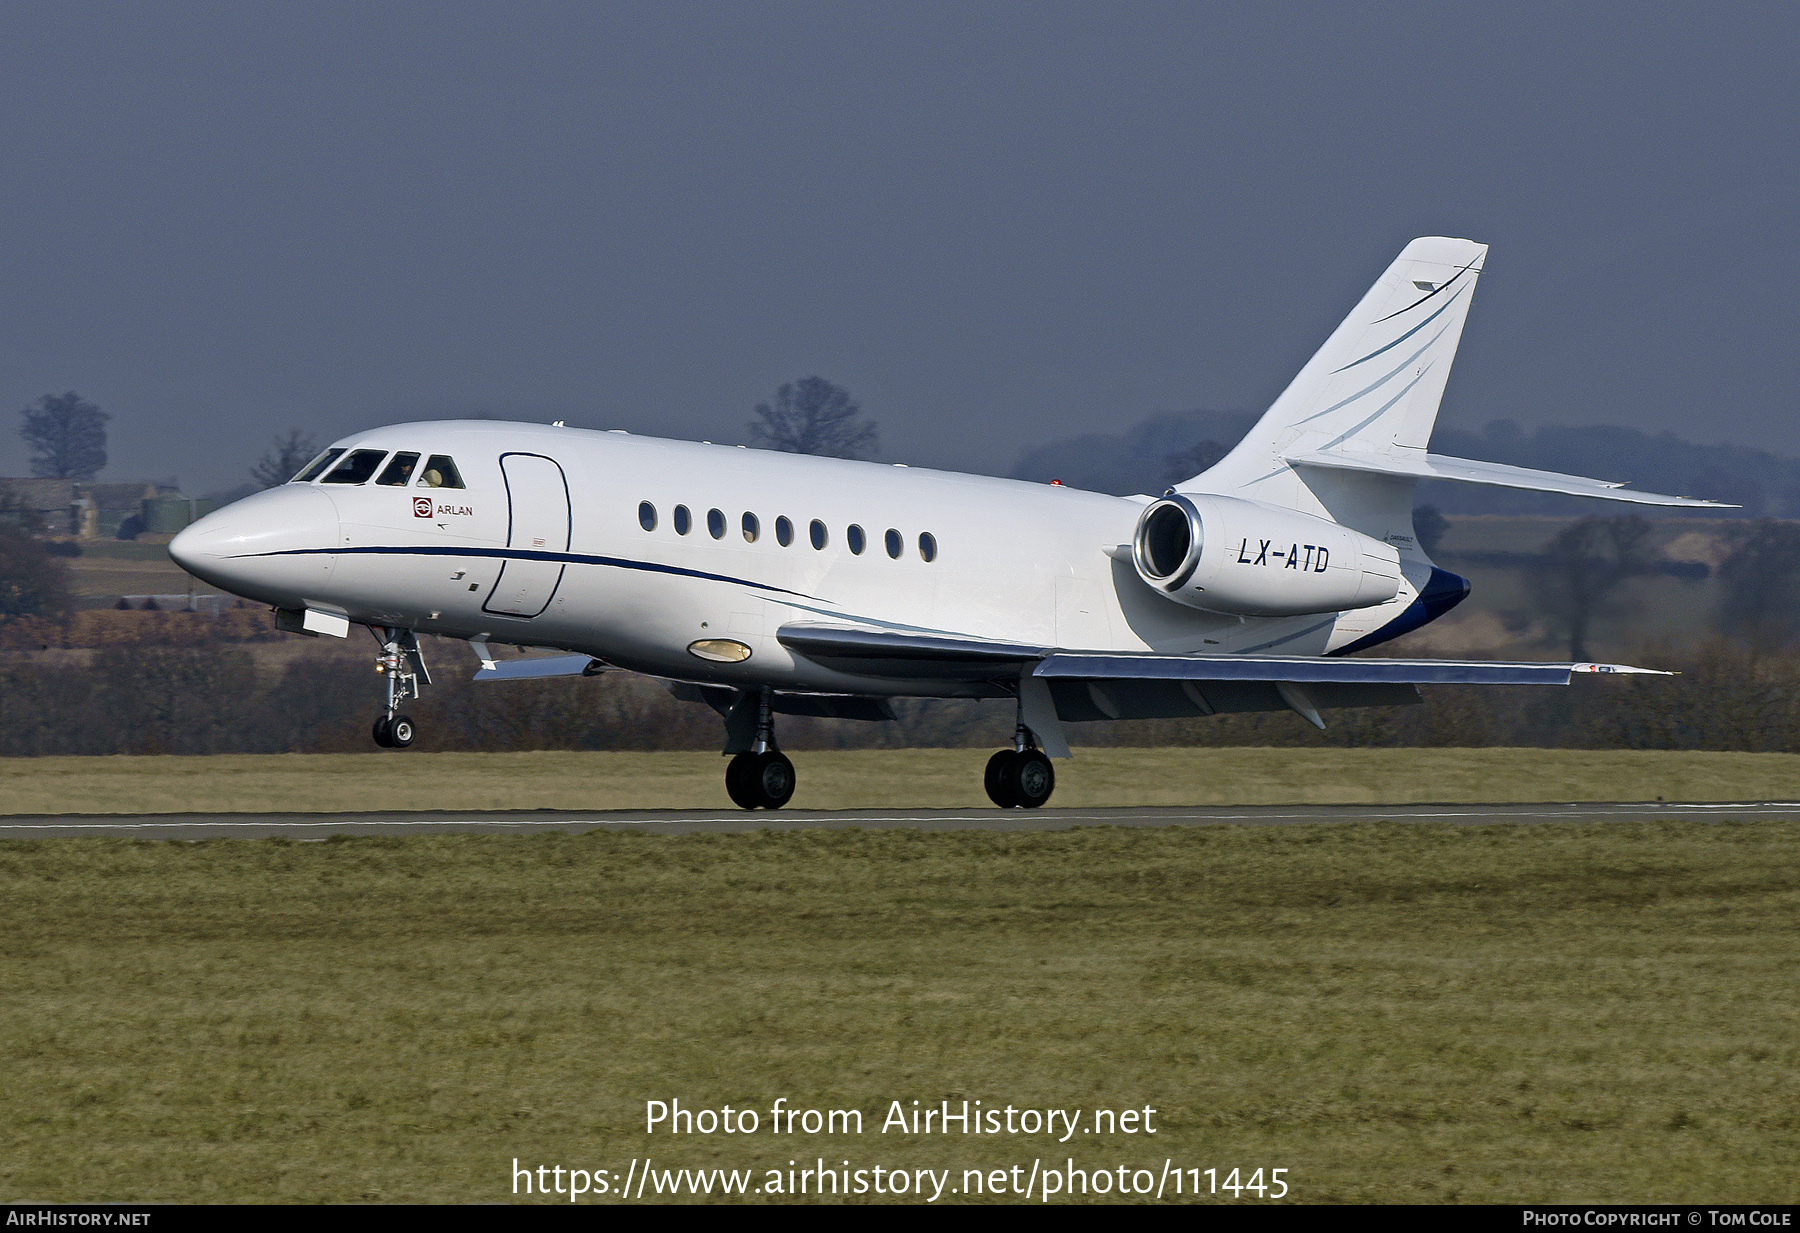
<point>996,224</point>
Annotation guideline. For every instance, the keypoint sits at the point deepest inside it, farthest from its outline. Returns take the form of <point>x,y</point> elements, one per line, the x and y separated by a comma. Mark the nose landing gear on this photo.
<point>1020,777</point>
<point>760,777</point>
<point>403,665</point>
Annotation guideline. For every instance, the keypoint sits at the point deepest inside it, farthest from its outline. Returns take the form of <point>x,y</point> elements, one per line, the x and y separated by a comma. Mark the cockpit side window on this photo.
<point>311,470</point>
<point>399,472</point>
<point>440,472</point>
<point>357,468</point>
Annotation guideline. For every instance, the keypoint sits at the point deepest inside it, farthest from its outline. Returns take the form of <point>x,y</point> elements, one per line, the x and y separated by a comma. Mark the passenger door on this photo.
<point>538,498</point>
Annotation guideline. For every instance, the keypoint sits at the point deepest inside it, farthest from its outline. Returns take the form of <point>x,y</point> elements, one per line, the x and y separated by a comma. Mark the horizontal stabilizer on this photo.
<point>539,666</point>
<point>1307,670</point>
<point>1415,465</point>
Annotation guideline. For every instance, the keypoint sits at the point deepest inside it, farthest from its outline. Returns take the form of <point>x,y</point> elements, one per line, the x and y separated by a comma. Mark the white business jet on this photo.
<point>769,583</point>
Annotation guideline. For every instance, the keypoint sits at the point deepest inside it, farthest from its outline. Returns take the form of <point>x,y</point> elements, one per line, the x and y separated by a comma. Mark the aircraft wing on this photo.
<point>918,654</point>
<point>1313,670</point>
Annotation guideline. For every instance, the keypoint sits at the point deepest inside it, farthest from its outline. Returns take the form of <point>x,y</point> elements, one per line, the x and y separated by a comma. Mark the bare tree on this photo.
<point>814,416</point>
<point>1581,572</point>
<point>32,583</point>
<point>1759,586</point>
<point>68,435</point>
<point>1429,527</point>
<point>1189,463</point>
<point>284,459</point>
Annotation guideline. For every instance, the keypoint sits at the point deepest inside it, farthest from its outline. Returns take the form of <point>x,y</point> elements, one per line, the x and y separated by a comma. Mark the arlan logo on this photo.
<point>421,507</point>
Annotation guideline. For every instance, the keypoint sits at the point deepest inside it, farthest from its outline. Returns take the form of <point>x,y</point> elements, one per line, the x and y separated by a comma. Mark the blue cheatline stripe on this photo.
<point>528,554</point>
<point>1434,316</point>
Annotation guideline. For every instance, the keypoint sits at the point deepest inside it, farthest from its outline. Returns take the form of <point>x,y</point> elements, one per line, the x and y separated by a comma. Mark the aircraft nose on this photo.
<point>274,546</point>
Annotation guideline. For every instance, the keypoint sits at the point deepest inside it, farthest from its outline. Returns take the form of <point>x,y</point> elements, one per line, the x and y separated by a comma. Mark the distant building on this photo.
<point>95,510</point>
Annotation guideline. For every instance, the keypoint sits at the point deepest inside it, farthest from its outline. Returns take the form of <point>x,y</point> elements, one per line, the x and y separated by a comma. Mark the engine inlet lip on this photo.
<point>1196,541</point>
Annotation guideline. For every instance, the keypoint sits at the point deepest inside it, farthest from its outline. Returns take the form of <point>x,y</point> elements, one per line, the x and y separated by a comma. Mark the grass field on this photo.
<point>877,778</point>
<point>1390,1013</point>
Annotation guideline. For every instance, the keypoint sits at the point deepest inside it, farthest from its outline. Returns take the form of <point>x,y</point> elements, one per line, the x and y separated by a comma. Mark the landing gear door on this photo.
<point>538,497</point>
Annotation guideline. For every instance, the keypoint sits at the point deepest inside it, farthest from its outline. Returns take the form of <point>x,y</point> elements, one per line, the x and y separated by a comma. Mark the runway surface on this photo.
<point>317,826</point>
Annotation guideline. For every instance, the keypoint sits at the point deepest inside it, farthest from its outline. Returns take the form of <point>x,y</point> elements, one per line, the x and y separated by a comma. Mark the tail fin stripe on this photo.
<point>1369,389</point>
<point>1443,286</point>
<point>1434,316</point>
<point>1385,408</point>
<point>1283,469</point>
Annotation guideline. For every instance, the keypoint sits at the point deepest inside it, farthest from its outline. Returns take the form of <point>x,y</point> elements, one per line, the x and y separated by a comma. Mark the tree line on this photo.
<point>809,416</point>
<point>140,699</point>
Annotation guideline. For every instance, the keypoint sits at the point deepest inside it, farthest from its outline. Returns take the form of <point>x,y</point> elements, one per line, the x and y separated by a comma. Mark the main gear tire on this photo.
<point>760,780</point>
<point>1031,778</point>
<point>775,780</point>
<point>994,779</point>
<point>738,787</point>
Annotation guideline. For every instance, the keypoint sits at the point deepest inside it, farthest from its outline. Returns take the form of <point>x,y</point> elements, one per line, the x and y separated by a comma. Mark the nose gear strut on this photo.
<point>403,664</point>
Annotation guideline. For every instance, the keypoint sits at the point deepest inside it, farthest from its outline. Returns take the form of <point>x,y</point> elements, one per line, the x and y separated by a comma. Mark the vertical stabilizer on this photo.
<point>1373,388</point>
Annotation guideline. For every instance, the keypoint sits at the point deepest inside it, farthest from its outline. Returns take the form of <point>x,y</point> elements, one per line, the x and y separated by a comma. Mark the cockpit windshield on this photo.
<point>357,468</point>
<point>311,470</point>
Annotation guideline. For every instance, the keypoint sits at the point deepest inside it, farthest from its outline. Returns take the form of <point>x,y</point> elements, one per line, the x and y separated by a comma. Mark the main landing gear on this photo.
<point>1020,777</point>
<point>761,777</point>
<point>404,667</point>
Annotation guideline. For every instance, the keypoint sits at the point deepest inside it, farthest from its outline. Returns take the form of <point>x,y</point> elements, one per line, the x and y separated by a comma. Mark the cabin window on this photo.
<point>752,528</point>
<point>684,521</point>
<point>894,543</point>
<point>357,468</point>
<point>854,537</point>
<point>440,472</point>
<point>715,524</point>
<point>399,472</point>
<point>647,515</point>
<point>818,534</point>
<point>311,470</point>
<point>928,545</point>
<point>784,531</point>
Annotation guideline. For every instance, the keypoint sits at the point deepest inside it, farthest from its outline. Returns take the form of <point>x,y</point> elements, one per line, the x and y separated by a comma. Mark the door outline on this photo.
<point>511,517</point>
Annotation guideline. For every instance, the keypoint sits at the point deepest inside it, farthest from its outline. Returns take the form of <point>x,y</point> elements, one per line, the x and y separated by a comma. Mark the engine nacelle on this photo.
<point>1223,554</point>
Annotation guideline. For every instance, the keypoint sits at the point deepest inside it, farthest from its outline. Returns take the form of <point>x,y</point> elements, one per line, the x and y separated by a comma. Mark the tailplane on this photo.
<point>1374,387</point>
<point>1347,439</point>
